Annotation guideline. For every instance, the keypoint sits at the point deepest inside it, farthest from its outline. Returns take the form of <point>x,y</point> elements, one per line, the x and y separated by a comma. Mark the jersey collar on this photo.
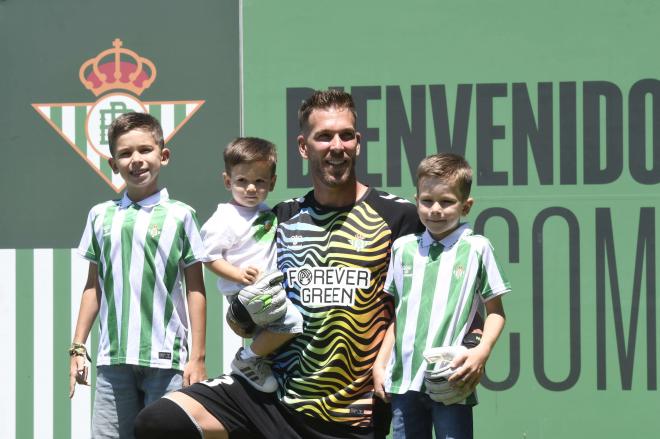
<point>449,240</point>
<point>150,201</point>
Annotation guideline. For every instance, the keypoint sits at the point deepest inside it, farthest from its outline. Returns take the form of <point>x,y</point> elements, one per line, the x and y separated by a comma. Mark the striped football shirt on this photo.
<point>437,287</point>
<point>141,250</point>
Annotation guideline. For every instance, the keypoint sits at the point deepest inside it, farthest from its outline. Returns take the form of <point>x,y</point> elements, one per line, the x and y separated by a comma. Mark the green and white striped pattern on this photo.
<point>435,286</point>
<point>40,293</point>
<point>140,251</point>
<point>69,121</point>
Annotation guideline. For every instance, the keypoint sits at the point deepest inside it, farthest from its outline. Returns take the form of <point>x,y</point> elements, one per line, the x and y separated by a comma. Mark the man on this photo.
<point>333,246</point>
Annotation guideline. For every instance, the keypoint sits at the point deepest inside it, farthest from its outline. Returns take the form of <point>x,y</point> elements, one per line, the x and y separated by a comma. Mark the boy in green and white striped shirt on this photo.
<point>438,278</point>
<point>143,249</point>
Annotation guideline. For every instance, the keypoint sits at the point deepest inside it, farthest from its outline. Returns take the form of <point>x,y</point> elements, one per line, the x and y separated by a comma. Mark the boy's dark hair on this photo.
<point>322,99</point>
<point>134,121</point>
<point>452,168</point>
<point>248,150</point>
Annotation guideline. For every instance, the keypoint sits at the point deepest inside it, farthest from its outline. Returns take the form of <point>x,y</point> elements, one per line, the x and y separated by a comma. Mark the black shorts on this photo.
<point>248,413</point>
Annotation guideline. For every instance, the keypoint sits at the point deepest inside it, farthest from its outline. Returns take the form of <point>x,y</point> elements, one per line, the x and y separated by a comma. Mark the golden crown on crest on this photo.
<point>117,68</point>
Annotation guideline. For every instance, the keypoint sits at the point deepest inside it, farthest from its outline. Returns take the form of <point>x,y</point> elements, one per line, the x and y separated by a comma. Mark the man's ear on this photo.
<point>302,146</point>
<point>273,179</point>
<point>358,137</point>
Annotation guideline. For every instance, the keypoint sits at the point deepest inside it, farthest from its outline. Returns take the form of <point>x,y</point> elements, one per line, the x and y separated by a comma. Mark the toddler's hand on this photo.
<point>249,275</point>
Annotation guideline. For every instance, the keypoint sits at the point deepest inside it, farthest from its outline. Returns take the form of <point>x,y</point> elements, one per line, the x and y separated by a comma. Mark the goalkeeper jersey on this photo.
<point>141,250</point>
<point>335,262</point>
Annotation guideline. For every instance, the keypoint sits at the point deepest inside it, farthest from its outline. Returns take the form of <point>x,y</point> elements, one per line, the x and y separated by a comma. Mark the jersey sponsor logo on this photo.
<point>117,77</point>
<point>165,355</point>
<point>296,241</point>
<point>324,286</point>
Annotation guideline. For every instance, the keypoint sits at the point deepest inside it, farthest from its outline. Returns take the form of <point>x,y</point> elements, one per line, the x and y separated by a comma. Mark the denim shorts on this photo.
<point>415,415</point>
<point>123,390</point>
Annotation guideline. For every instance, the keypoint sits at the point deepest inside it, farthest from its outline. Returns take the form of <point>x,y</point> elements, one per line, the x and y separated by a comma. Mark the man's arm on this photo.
<point>472,364</point>
<point>380,365</point>
<point>89,309</point>
<point>195,370</point>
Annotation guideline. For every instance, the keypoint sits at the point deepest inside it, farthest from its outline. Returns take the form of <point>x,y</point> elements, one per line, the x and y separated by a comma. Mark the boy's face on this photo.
<point>250,183</point>
<point>138,159</point>
<point>440,206</point>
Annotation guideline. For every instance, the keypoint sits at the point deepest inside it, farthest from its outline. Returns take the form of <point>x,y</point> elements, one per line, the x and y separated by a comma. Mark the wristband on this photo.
<point>79,350</point>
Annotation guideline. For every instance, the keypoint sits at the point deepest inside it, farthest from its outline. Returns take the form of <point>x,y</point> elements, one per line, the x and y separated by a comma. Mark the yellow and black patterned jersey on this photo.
<point>335,263</point>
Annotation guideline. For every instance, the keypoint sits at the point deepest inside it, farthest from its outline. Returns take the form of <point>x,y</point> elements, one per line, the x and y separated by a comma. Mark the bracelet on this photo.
<point>79,350</point>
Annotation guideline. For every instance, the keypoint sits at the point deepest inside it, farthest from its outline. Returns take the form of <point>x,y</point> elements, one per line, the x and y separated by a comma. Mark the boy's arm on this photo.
<point>195,370</point>
<point>89,309</point>
<point>245,276</point>
<point>472,364</point>
<point>380,365</point>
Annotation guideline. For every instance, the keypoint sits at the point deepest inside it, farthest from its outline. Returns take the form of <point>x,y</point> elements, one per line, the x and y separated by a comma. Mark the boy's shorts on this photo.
<point>247,413</point>
<point>122,390</point>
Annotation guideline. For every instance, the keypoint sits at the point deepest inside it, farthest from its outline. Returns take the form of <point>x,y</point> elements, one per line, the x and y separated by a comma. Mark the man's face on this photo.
<point>330,143</point>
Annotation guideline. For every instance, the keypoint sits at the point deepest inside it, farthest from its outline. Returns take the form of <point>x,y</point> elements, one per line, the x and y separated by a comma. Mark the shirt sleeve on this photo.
<point>493,279</point>
<point>217,236</point>
<point>390,281</point>
<point>193,247</point>
<point>88,247</point>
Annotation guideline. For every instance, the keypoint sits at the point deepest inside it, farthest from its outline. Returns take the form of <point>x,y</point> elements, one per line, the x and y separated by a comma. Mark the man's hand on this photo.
<point>78,373</point>
<point>194,372</point>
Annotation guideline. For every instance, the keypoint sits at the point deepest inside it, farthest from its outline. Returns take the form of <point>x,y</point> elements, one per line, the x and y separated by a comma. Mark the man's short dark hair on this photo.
<point>452,168</point>
<point>323,99</point>
<point>248,150</point>
<point>134,121</point>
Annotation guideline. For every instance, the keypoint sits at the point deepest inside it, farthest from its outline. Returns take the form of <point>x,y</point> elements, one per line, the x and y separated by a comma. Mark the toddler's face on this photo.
<point>250,183</point>
<point>440,206</point>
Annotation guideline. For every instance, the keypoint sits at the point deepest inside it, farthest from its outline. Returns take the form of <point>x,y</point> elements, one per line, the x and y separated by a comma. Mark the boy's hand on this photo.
<point>194,372</point>
<point>78,373</point>
<point>470,367</point>
<point>379,383</point>
<point>249,275</point>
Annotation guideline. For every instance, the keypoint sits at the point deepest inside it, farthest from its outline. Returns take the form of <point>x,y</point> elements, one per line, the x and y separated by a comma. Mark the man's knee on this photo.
<point>164,419</point>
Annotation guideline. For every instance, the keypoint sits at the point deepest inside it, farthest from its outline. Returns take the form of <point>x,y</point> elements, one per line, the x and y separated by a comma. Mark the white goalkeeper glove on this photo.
<point>265,300</point>
<point>435,380</point>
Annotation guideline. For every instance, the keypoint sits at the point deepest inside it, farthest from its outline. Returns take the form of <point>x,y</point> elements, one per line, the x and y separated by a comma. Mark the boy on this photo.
<point>240,246</point>
<point>435,278</point>
<point>140,249</point>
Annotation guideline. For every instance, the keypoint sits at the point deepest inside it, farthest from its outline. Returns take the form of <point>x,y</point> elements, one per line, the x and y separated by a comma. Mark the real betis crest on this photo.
<point>117,76</point>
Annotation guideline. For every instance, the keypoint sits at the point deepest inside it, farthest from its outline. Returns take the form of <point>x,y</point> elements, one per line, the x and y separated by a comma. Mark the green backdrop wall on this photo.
<point>555,104</point>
